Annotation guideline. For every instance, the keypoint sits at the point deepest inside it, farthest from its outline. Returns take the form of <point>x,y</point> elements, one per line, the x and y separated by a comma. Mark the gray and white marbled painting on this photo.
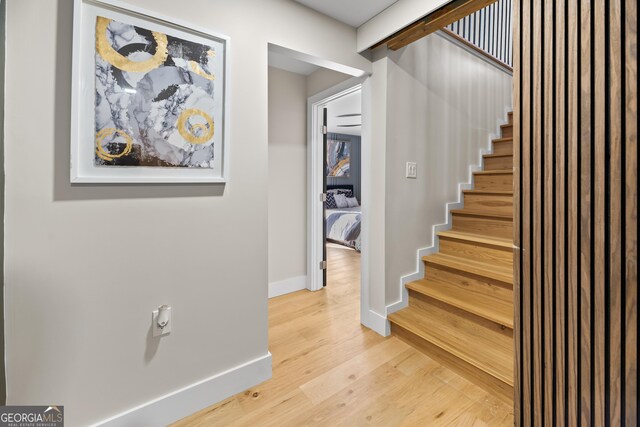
<point>155,102</point>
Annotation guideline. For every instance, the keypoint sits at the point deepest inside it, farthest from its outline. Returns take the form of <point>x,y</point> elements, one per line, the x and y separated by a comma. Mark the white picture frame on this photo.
<point>85,166</point>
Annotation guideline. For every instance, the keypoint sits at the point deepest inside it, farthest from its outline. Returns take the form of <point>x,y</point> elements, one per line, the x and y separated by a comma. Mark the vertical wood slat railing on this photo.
<point>576,212</point>
<point>489,29</point>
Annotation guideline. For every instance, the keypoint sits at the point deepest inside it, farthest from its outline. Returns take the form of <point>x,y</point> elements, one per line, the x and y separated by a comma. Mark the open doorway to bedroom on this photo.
<point>304,157</point>
<point>343,200</point>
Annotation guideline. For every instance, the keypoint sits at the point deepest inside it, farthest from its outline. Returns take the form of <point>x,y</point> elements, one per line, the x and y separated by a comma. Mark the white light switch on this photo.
<point>412,170</point>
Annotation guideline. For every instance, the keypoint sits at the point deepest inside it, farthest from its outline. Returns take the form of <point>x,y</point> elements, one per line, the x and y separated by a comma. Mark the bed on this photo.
<point>342,223</point>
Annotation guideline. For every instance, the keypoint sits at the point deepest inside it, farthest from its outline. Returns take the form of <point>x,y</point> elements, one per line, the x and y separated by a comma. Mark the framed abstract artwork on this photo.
<point>338,158</point>
<point>149,101</point>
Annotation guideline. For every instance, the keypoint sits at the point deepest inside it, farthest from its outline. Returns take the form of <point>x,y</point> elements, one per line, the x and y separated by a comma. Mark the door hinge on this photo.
<point>323,265</point>
<point>324,130</point>
<point>323,197</point>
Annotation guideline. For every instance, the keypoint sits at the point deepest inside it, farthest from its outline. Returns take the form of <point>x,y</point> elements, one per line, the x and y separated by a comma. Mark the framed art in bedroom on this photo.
<point>338,158</point>
<point>149,98</point>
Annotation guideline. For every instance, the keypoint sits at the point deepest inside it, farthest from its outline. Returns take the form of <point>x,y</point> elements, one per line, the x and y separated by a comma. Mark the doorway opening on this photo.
<point>336,218</point>
<point>342,189</point>
<point>338,163</point>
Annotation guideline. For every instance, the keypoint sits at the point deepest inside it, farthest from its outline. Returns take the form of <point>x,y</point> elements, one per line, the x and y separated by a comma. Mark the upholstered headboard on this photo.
<point>340,187</point>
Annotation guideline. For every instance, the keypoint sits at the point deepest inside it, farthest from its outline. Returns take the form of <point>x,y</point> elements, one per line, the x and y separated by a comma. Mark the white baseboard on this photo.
<point>376,323</point>
<point>287,286</point>
<point>188,400</point>
<point>404,294</point>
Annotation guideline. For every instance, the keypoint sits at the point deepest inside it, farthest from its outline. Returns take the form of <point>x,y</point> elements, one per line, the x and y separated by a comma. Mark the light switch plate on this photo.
<point>412,170</point>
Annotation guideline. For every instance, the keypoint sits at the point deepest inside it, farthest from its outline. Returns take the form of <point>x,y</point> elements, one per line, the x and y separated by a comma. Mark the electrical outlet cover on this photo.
<point>157,330</point>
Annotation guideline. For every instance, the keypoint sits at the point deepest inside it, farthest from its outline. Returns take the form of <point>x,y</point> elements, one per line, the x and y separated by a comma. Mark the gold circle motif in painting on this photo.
<point>106,51</point>
<point>195,133</point>
<point>102,153</point>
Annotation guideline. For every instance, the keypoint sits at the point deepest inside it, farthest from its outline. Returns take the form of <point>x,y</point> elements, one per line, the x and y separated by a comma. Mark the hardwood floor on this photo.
<point>328,370</point>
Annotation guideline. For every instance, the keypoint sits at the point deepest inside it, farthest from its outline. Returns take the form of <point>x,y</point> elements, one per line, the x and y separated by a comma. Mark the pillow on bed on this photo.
<point>331,202</point>
<point>345,191</point>
<point>352,202</point>
<point>341,201</point>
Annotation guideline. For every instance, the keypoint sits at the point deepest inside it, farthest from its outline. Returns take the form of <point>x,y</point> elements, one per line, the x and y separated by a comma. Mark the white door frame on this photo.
<point>315,242</point>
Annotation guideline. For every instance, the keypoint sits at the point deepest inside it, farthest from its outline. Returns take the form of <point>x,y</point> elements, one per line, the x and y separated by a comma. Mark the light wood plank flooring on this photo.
<point>328,370</point>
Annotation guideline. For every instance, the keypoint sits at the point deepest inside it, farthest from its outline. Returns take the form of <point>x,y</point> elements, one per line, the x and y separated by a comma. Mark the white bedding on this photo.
<point>343,226</point>
<point>357,209</point>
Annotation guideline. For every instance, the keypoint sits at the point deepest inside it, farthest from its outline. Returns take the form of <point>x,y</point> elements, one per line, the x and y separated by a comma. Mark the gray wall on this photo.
<point>85,265</point>
<point>287,175</point>
<point>323,79</point>
<point>355,167</point>
<point>3,388</point>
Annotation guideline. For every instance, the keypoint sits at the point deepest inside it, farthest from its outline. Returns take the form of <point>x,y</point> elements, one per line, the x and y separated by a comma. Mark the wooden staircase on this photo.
<point>461,312</point>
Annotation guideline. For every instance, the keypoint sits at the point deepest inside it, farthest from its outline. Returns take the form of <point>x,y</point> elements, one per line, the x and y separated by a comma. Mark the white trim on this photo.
<point>403,302</point>
<point>314,174</point>
<point>474,52</point>
<point>188,400</point>
<point>314,60</point>
<point>366,176</point>
<point>287,286</point>
<point>376,322</point>
<point>433,248</point>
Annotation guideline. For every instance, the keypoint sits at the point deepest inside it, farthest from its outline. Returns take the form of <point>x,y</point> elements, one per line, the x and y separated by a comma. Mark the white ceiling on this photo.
<point>351,12</point>
<point>345,112</point>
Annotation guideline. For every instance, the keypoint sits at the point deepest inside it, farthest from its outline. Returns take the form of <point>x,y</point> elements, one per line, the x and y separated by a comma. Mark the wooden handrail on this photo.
<point>440,18</point>
<point>477,50</point>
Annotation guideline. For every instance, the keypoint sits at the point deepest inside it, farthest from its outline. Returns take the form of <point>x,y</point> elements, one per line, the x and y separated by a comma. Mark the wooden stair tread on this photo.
<point>494,156</point>
<point>478,238</point>
<point>494,357</point>
<point>471,212</point>
<point>501,273</point>
<point>495,172</point>
<point>461,312</point>
<point>486,306</point>
<point>501,192</point>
